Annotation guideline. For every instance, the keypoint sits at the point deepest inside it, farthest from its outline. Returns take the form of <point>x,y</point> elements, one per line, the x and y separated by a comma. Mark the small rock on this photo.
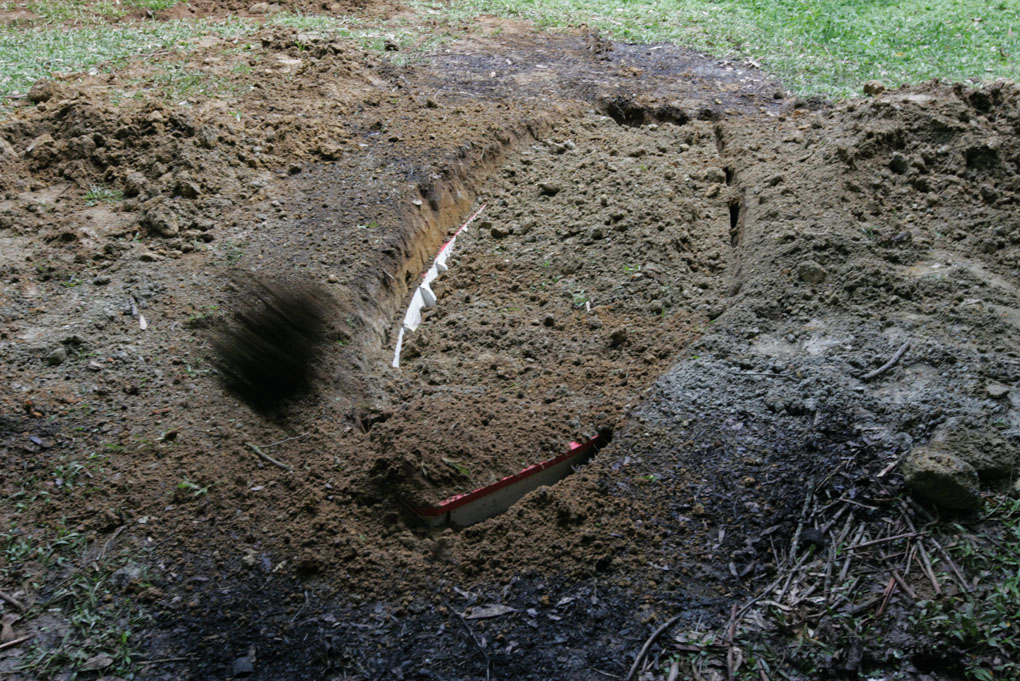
<point>715,175</point>
<point>617,338</point>
<point>550,187</point>
<point>498,233</point>
<point>40,143</point>
<point>163,221</point>
<point>333,279</point>
<point>811,536</point>
<point>94,366</point>
<point>243,667</point>
<point>899,163</point>
<point>43,91</point>
<point>259,8</point>
<point>874,88</point>
<point>997,390</point>
<point>6,150</point>
<point>7,629</point>
<point>655,307</point>
<point>595,234</point>
<point>811,272</point>
<point>125,575</point>
<point>330,151</point>
<point>187,189</point>
<point>57,357</point>
<point>135,183</point>
<point>939,476</point>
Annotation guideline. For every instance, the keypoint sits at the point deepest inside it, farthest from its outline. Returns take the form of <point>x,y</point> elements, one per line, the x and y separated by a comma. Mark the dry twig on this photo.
<point>888,365</point>
<point>17,641</point>
<point>648,644</point>
<point>265,457</point>
<point>13,601</point>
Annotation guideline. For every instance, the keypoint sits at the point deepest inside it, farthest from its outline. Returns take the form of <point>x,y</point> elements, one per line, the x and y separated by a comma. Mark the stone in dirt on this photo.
<point>997,390</point>
<point>874,87</point>
<point>811,272</point>
<point>939,476</point>
<point>43,91</point>
<point>162,220</point>
<point>56,357</point>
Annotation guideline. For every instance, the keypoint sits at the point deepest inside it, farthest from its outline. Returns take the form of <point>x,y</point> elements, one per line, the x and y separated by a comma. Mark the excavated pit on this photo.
<point>598,259</point>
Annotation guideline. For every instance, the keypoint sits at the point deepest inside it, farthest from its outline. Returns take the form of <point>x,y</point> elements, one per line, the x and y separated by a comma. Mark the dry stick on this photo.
<point>648,644</point>
<point>889,588</point>
<point>265,457</point>
<point>471,634</point>
<point>910,558</point>
<point>858,609</point>
<point>287,439</point>
<point>109,542</point>
<point>885,540</point>
<point>952,565</point>
<point>888,365</point>
<point>846,594</point>
<point>926,565</point>
<point>13,601</point>
<point>828,569</point>
<point>729,643</point>
<point>17,641</point>
<point>896,462</point>
<point>162,660</point>
<point>903,585</point>
<point>925,561</point>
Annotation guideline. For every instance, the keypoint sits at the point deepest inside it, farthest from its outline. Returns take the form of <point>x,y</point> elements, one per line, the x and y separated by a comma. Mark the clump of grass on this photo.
<point>176,83</point>
<point>98,193</point>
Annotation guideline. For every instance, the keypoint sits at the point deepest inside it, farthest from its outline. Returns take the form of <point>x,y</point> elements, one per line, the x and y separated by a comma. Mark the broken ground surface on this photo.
<point>667,250</point>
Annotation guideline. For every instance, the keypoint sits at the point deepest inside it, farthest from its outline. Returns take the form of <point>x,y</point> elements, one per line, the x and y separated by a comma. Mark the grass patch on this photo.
<point>177,83</point>
<point>983,623</point>
<point>87,11</point>
<point>823,46</point>
<point>99,193</point>
<point>28,54</point>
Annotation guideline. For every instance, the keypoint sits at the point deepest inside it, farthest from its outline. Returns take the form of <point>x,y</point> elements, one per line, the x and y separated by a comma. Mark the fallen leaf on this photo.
<point>480,612</point>
<point>100,661</point>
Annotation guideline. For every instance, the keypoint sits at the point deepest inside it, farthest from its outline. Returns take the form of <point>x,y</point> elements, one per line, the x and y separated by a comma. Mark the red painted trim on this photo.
<point>459,500</point>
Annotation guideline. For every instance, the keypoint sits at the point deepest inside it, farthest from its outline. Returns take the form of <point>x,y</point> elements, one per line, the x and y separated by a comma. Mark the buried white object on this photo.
<point>423,295</point>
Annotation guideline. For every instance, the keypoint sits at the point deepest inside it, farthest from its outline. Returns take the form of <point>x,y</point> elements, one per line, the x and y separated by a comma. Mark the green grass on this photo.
<point>816,46</point>
<point>983,623</point>
<point>99,193</point>
<point>87,11</point>
<point>30,53</point>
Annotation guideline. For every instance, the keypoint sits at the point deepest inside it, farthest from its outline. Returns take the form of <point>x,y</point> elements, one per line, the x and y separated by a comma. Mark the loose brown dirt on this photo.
<point>671,249</point>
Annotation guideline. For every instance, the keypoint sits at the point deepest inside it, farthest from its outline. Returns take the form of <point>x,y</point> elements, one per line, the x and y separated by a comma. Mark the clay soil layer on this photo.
<point>673,251</point>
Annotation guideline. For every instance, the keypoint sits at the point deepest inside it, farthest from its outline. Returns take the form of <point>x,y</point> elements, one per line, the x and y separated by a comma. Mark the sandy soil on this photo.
<point>672,249</point>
